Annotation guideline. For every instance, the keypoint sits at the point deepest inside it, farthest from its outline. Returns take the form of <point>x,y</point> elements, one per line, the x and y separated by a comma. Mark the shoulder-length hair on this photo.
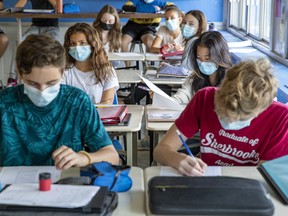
<point>99,60</point>
<point>114,33</point>
<point>199,15</point>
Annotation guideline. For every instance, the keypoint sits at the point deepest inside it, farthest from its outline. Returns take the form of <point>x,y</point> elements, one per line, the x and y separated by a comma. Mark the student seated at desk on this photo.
<point>169,36</point>
<point>108,26</point>
<point>193,25</point>
<point>45,123</point>
<point>88,67</point>
<point>209,57</point>
<point>3,37</point>
<point>240,124</point>
<point>141,28</point>
<point>39,26</point>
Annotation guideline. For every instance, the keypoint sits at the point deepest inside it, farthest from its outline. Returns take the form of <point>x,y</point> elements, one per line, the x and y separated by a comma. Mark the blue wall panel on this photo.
<point>213,9</point>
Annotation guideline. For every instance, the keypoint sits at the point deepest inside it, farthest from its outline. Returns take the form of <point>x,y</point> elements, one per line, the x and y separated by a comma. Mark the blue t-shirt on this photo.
<point>29,134</point>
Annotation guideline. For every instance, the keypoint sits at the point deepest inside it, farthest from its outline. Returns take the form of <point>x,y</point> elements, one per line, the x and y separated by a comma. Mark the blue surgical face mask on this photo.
<point>80,53</point>
<point>237,125</point>
<point>207,68</point>
<point>188,31</point>
<point>42,98</point>
<point>172,24</point>
<point>148,1</point>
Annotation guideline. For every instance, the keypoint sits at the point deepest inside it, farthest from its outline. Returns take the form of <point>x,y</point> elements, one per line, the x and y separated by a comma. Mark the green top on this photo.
<point>29,134</point>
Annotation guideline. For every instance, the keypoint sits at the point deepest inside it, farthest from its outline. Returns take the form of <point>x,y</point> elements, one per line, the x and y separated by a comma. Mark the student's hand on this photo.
<point>157,8</point>
<point>65,157</point>
<point>178,47</point>
<point>151,93</point>
<point>167,47</point>
<point>191,166</point>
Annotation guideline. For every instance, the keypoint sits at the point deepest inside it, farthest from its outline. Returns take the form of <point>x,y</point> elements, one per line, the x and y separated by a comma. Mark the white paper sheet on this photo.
<point>210,171</point>
<point>66,196</point>
<point>27,174</point>
<point>160,98</point>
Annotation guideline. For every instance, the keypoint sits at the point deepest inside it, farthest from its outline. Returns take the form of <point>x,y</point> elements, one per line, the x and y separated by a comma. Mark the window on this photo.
<point>251,17</point>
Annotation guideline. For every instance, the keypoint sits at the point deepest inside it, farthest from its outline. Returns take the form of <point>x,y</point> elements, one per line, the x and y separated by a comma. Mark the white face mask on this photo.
<point>172,24</point>
<point>237,125</point>
<point>207,68</point>
<point>188,31</point>
<point>148,1</point>
<point>42,98</point>
<point>80,53</point>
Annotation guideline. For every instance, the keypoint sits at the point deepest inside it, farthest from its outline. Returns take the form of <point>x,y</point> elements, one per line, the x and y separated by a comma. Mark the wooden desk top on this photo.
<point>77,15</point>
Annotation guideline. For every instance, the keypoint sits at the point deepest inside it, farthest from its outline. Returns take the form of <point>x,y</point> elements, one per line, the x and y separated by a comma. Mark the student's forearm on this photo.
<point>21,3</point>
<point>53,3</point>
<point>155,50</point>
<point>107,153</point>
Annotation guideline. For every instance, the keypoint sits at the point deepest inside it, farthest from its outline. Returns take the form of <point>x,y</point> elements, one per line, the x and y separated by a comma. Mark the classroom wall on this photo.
<point>214,12</point>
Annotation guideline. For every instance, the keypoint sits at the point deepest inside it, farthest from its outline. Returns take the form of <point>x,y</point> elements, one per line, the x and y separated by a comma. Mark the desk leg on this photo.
<point>19,35</point>
<point>135,148</point>
<point>129,149</point>
<point>157,136</point>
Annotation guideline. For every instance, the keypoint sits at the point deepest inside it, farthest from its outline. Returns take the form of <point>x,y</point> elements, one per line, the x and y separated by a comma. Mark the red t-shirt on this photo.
<point>265,139</point>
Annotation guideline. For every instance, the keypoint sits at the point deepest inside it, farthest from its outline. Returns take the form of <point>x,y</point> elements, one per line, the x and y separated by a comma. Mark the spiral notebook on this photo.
<point>275,172</point>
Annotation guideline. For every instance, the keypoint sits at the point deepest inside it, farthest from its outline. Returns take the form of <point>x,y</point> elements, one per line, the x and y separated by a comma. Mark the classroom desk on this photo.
<point>129,77</point>
<point>129,203</point>
<point>125,56</point>
<point>247,172</point>
<point>86,15</point>
<point>157,129</point>
<point>131,132</point>
<point>151,75</point>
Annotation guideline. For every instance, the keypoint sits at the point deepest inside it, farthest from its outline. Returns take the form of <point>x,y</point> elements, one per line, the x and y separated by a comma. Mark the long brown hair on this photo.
<point>99,60</point>
<point>114,33</point>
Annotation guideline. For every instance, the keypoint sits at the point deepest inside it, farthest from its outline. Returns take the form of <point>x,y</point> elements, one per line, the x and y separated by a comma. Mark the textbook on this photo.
<point>168,70</point>
<point>40,11</point>
<point>124,122</point>
<point>112,114</point>
<point>275,173</point>
<point>12,10</point>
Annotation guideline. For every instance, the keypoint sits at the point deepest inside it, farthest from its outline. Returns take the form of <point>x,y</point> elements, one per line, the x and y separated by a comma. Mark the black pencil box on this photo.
<point>208,195</point>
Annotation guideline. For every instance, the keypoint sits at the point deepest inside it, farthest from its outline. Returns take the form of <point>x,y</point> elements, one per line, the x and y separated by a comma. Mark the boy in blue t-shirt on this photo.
<point>43,122</point>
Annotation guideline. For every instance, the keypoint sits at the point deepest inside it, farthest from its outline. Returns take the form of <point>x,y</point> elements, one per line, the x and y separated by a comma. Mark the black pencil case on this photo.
<point>208,195</point>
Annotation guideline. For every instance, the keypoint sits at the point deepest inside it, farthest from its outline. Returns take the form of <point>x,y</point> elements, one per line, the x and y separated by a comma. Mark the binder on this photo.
<point>172,71</point>
<point>112,114</point>
<point>124,122</point>
<point>103,203</point>
<point>275,172</point>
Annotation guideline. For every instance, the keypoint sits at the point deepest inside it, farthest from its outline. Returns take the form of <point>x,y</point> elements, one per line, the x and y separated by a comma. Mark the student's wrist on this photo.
<point>87,160</point>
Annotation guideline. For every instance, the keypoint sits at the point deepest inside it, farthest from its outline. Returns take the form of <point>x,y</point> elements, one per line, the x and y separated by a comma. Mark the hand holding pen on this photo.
<point>198,166</point>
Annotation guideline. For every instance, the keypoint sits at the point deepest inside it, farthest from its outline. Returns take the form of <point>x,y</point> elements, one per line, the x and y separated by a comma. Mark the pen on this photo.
<point>185,144</point>
<point>286,86</point>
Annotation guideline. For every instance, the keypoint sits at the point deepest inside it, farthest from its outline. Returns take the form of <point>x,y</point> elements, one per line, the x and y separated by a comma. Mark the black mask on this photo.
<point>106,26</point>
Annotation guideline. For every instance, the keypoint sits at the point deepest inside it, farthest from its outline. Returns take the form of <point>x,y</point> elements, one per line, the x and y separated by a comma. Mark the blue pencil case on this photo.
<point>116,178</point>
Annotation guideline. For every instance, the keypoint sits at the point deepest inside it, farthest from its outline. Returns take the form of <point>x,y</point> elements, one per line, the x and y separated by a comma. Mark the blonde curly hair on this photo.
<point>247,89</point>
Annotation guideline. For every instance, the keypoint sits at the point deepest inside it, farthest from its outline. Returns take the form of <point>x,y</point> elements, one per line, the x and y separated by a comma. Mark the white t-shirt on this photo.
<point>164,33</point>
<point>87,82</point>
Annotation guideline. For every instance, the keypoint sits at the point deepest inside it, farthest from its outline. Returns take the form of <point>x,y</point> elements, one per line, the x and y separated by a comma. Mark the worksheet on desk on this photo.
<point>210,171</point>
<point>27,174</point>
<point>62,196</point>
